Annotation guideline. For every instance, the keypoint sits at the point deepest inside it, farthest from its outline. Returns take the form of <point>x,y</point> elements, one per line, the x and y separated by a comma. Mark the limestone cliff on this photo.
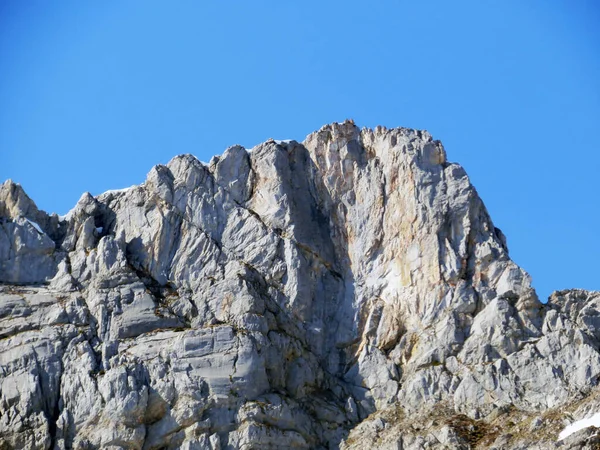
<point>348,291</point>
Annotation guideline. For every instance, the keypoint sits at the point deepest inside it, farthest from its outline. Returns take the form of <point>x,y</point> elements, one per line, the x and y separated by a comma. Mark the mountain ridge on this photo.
<point>298,295</point>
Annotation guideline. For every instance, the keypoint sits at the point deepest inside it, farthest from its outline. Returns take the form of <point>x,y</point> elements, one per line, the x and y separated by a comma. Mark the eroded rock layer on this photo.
<point>350,290</point>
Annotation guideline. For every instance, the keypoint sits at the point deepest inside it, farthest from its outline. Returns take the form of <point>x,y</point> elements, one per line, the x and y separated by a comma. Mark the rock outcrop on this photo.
<point>350,291</point>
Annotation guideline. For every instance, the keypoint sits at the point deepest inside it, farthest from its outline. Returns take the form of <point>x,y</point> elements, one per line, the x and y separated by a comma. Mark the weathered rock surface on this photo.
<point>348,291</point>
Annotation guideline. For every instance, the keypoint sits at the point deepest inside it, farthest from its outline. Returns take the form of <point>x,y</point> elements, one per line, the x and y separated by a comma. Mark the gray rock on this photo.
<point>350,290</point>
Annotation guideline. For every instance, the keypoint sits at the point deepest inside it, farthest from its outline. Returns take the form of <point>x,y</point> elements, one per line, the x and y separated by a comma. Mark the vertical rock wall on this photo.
<point>275,299</point>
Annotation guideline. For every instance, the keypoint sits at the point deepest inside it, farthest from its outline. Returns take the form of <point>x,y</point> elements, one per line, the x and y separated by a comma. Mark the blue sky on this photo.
<point>93,94</point>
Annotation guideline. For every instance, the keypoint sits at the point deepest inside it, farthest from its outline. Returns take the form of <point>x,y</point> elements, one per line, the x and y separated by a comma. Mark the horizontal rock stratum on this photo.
<point>350,291</point>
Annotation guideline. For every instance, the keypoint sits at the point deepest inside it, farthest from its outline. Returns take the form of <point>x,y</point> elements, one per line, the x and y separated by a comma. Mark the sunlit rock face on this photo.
<point>350,290</point>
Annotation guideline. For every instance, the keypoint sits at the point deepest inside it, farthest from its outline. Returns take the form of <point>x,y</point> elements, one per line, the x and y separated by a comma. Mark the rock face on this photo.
<point>348,291</point>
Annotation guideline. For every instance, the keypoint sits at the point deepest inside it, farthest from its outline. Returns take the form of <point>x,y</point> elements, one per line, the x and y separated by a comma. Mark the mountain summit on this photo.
<point>349,291</point>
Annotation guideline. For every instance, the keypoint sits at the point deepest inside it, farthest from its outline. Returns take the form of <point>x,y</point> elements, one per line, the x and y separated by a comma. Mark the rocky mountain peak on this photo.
<point>297,295</point>
<point>14,202</point>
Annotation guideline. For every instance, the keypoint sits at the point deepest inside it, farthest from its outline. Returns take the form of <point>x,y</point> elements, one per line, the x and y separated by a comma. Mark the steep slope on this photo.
<point>276,299</point>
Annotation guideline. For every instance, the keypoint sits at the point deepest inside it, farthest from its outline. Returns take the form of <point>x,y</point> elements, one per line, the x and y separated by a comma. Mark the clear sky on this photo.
<point>93,94</point>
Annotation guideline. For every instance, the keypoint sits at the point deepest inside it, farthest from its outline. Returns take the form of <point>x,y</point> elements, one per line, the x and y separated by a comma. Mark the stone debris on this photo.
<point>350,291</point>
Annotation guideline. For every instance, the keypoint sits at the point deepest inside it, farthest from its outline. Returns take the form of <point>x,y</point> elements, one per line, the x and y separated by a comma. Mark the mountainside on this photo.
<point>348,291</point>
